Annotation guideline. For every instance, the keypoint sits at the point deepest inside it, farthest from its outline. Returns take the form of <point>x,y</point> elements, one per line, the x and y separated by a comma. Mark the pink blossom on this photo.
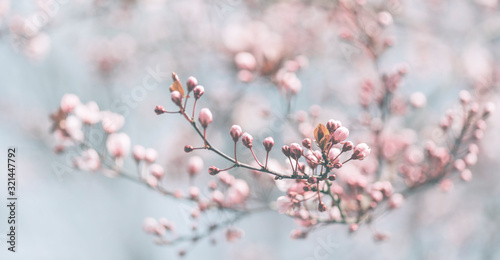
<point>191,83</point>
<point>218,197</point>
<point>466,175</point>
<point>297,234</point>
<point>152,181</point>
<point>111,122</point>
<point>198,91</point>
<point>156,170</point>
<point>470,159</point>
<point>333,125</point>
<point>139,153</point>
<point>340,134</point>
<point>151,155</point>
<point>118,145</point>
<point>247,140</point>
<point>150,225</point>
<point>284,204</point>
<point>194,192</point>
<point>176,98</point>
<point>69,102</point>
<point>205,117</point>
<point>295,151</point>
<point>88,113</point>
<point>446,185</point>
<point>332,154</point>
<point>361,151</point>
<point>307,143</point>
<point>89,160</point>
<point>418,100</point>
<point>396,201</point>
<point>195,165</point>
<point>245,61</point>
<point>236,132</point>
<point>238,192</point>
<point>226,178</point>
<point>268,143</point>
<point>353,227</point>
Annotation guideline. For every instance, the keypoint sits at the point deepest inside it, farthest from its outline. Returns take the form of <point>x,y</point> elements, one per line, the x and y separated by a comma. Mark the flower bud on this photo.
<point>332,177</point>
<point>159,110</point>
<point>332,125</point>
<point>69,102</point>
<point>347,146</point>
<point>321,206</point>
<point>139,153</point>
<point>312,180</point>
<point>151,155</point>
<point>286,150</point>
<point>195,165</point>
<point>307,143</point>
<point>236,133</point>
<point>205,117</point>
<point>488,109</point>
<point>188,148</point>
<point>198,91</point>
<point>247,140</point>
<point>213,170</point>
<point>361,151</point>
<point>295,151</point>
<point>191,83</point>
<point>465,97</point>
<point>340,134</point>
<point>176,98</point>
<point>268,144</point>
<point>157,170</point>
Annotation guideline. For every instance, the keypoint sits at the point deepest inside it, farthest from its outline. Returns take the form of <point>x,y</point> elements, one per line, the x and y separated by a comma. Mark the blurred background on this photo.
<point>120,54</point>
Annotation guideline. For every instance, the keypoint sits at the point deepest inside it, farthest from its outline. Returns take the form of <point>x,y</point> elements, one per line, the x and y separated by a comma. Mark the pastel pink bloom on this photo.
<point>307,143</point>
<point>74,127</point>
<point>205,117</point>
<point>235,132</point>
<point>340,134</point>
<point>151,155</point>
<point>69,102</point>
<point>396,201</point>
<point>167,224</point>
<point>238,192</point>
<point>489,108</point>
<point>191,83</point>
<point>111,122</point>
<point>195,213</point>
<point>198,91</point>
<point>218,197</point>
<point>377,196</point>
<point>152,181</point>
<point>459,165</point>
<point>194,192</point>
<point>465,96</point>
<point>245,75</point>
<point>226,178</point>
<point>139,153</point>
<point>233,234</point>
<point>312,160</point>
<point>295,151</point>
<point>245,61</point>
<point>247,140</point>
<point>334,152</point>
<point>88,113</point>
<point>176,98</point>
<point>268,144</point>
<point>315,110</point>
<point>297,234</point>
<point>335,214</point>
<point>88,161</point>
<point>290,82</point>
<point>418,100</point>
<point>361,151</point>
<point>466,175</point>
<point>470,159</point>
<point>150,225</point>
<point>195,165</point>
<point>157,170</point>
<point>284,204</point>
<point>118,145</point>
<point>333,125</point>
<point>178,193</point>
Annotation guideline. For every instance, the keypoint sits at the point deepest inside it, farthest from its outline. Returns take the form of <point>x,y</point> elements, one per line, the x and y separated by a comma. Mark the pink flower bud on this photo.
<point>191,83</point>
<point>205,117</point>
<point>340,134</point>
<point>149,225</point>
<point>321,206</point>
<point>361,151</point>
<point>195,165</point>
<point>159,110</point>
<point>176,98</point>
<point>286,150</point>
<point>307,143</point>
<point>418,100</point>
<point>297,234</point>
<point>466,175</point>
<point>188,148</point>
<point>151,155</point>
<point>245,60</point>
<point>218,197</point>
<point>332,155</point>
<point>268,144</point>
<point>396,201</point>
<point>247,140</point>
<point>118,145</point>
<point>353,227</point>
<point>465,96</point>
<point>111,122</point>
<point>69,102</point>
<point>213,170</point>
<point>157,170</point>
<point>347,146</point>
<point>295,151</point>
<point>139,153</point>
<point>236,132</point>
<point>332,125</point>
<point>198,91</point>
<point>488,109</point>
<point>194,192</point>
